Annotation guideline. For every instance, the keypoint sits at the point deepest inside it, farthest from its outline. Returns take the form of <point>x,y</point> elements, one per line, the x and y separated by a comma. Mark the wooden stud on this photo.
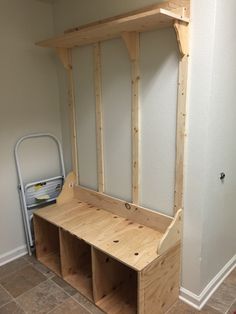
<point>99,116</point>
<point>181,29</point>
<point>74,142</point>
<point>180,133</point>
<point>132,42</point>
<point>66,58</point>
<point>172,235</point>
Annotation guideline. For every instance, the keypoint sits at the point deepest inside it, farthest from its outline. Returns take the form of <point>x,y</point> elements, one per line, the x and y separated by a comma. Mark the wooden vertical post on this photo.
<point>182,39</point>
<point>132,42</point>
<point>66,59</point>
<point>99,117</point>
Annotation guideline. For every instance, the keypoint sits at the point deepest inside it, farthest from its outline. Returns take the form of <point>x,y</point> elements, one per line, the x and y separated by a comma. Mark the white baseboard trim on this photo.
<point>198,301</point>
<point>12,255</point>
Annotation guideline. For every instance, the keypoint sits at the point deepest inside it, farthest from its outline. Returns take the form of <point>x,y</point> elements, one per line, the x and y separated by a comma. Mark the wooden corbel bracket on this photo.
<point>131,40</point>
<point>182,30</point>
<point>64,55</point>
<point>172,235</point>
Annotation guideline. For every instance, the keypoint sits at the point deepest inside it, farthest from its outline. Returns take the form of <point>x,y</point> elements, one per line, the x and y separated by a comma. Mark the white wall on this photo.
<point>219,229</point>
<point>158,114</point>
<point>209,218</point>
<point>28,103</point>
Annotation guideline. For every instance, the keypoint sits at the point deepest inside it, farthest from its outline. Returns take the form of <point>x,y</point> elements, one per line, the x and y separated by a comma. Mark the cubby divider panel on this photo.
<point>76,263</point>
<point>115,286</point>
<point>47,244</point>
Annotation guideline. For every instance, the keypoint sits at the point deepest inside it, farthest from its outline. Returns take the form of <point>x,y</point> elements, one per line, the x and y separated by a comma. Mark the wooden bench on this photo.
<point>120,262</point>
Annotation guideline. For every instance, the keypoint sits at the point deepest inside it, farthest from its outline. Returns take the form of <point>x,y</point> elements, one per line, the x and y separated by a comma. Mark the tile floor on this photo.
<point>26,286</point>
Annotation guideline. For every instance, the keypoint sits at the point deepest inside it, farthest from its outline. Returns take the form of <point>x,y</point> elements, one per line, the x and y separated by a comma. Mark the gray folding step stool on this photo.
<point>39,193</point>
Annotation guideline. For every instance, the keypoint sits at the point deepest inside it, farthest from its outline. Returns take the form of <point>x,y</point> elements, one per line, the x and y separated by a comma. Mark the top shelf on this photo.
<point>105,30</point>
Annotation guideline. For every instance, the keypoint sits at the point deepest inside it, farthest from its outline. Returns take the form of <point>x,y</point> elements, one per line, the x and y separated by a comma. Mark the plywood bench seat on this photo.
<point>127,263</point>
<point>129,242</point>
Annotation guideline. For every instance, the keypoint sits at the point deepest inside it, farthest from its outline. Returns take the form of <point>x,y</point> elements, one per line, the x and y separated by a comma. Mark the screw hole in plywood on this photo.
<point>127,205</point>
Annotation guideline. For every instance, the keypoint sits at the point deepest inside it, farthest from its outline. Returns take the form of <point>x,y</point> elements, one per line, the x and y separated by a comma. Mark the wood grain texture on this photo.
<point>138,214</point>
<point>76,263</point>
<point>172,235</point>
<point>159,283</point>
<point>47,244</point>
<point>67,192</point>
<point>99,116</point>
<point>63,54</point>
<point>181,133</point>
<point>65,57</point>
<point>173,6</point>
<point>140,22</point>
<point>115,285</point>
<point>72,111</point>
<point>132,42</point>
<point>182,30</point>
<point>131,243</point>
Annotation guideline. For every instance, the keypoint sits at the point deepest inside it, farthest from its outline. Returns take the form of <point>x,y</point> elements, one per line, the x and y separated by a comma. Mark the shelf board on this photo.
<point>122,300</point>
<point>52,261</point>
<point>141,22</point>
<point>81,281</point>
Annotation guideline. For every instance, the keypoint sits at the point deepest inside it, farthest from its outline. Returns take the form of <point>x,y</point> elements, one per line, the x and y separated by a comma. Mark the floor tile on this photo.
<point>11,308</point>
<point>183,308</point>
<point>4,296</point>
<point>22,280</point>
<point>43,298</point>
<point>64,285</point>
<point>12,267</point>
<point>222,299</point>
<point>39,266</point>
<point>87,304</point>
<point>70,307</point>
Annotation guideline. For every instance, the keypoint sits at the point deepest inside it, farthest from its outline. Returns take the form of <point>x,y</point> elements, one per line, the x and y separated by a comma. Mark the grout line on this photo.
<point>230,306</point>
<point>12,299</point>
<point>5,304</point>
<point>30,289</point>
<point>15,271</point>
<point>16,301</point>
<point>70,296</point>
<point>6,292</point>
<point>57,306</point>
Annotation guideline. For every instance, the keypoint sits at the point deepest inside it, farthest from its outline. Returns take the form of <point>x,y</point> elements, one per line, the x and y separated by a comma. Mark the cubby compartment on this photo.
<point>47,244</point>
<point>115,286</point>
<point>76,263</point>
